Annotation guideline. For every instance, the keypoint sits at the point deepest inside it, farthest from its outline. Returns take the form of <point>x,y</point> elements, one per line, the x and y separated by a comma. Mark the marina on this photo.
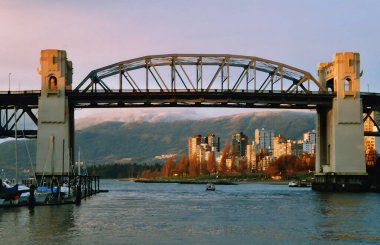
<point>72,191</point>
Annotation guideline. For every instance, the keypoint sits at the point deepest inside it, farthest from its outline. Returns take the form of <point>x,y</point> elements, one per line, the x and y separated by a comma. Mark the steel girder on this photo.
<point>20,107</point>
<point>13,122</point>
<point>215,98</point>
<point>371,103</point>
<point>367,116</point>
<point>199,73</point>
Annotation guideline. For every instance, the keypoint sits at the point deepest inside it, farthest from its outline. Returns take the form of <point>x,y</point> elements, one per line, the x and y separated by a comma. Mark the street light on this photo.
<point>9,83</point>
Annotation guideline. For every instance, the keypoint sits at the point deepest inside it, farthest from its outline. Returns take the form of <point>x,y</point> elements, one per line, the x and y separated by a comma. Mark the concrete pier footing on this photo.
<point>332,182</point>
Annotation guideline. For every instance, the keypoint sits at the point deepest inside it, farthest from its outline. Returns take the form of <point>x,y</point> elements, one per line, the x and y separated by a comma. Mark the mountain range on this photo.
<point>141,141</point>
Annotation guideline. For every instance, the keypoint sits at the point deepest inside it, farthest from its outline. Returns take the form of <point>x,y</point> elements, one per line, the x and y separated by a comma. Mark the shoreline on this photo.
<point>216,182</point>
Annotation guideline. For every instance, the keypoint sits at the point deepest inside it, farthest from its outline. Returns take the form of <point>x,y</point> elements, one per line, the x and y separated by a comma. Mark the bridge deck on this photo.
<point>183,98</point>
<point>215,98</point>
<point>178,98</point>
<point>28,100</point>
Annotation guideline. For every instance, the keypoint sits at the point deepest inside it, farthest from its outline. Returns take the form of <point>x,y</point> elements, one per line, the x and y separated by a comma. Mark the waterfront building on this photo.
<point>263,138</point>
<point>298,148</point>
<point>213,142</point>
<point>281,146</point>
<point>262,159</point>
<point>193,147</point>
<point>250,156</point>
<point>239,142</point>
<point>310,136</point>
<point>263,163</point>
<point>205,152</point>
<point>370,141</point>
<point>201,149</point>
<point>309,142</point>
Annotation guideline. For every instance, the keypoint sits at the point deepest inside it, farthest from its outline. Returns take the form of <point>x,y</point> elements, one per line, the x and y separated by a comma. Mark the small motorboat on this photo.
<point>293,184</point>
<point>210,187</point>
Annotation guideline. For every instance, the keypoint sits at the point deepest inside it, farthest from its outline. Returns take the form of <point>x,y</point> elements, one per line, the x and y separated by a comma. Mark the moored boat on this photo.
<point>20,188</point>
<point>8,195</point>
<point>293,184</point>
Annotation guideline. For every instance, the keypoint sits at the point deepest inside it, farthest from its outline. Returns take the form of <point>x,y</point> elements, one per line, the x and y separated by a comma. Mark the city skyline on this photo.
<point>254,154</point>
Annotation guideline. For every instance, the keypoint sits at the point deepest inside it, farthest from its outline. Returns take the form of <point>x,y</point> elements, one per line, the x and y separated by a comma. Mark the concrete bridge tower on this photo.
<point>340,163</point>
<point>55,116</point>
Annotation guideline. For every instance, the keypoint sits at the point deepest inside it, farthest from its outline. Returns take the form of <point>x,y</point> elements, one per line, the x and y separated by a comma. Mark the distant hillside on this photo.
<point>117,141</point>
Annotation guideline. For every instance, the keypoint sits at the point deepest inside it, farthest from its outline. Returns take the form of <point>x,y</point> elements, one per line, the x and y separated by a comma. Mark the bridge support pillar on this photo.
<point>55,118</point>
<point>340,164</point>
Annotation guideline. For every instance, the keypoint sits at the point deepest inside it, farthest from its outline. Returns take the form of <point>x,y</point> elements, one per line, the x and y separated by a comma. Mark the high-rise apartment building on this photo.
<point>263,163</point>
<point>201,148</point>
<point>239,142</point>
<point>310,142</point>
<point>281,146</point>
<point>370,141</point>
<point>263,138</point>
<point>213,141</point>
<point>297,148</point>
<point>194,146</point>
<point>250,156</point>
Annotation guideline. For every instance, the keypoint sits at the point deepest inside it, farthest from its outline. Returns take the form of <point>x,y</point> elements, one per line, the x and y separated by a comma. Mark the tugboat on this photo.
<point>210,187</point>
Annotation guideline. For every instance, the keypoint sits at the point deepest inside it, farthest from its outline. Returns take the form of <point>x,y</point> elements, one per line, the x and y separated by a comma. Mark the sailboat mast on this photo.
<point>79,160</point>
<point>16,150</point>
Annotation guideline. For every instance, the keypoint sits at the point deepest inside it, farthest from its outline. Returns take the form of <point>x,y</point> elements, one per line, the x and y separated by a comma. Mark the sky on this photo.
<point>98,33</point>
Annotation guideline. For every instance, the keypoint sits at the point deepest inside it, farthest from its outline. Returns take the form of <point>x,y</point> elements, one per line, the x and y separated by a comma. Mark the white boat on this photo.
<point>293,184</point>
<point>210,187</point>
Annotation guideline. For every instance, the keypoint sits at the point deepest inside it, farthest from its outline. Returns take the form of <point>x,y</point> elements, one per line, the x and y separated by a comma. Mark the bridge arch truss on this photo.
<point>199,73</point>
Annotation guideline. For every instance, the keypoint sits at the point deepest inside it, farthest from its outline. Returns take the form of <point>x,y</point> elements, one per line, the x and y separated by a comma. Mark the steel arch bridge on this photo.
<point>211,80</point>
<point>231,73</point>
<point>185,80</point>
<point>201,80</point>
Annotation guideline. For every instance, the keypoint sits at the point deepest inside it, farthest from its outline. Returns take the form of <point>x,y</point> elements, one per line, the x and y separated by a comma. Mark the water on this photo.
<point>138,213</point>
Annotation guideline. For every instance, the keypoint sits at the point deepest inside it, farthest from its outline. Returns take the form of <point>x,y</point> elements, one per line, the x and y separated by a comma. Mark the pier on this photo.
<point>50,192</point>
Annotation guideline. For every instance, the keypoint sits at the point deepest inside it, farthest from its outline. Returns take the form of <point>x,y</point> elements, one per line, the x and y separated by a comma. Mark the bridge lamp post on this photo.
<point>9,83</point>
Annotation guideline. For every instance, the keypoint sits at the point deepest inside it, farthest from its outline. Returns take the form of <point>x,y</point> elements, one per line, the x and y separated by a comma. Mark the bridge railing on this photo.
<point>21,92</point>
<point>125,91</point>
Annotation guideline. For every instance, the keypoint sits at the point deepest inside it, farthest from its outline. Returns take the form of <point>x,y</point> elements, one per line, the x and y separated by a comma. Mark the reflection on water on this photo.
<point>36,226</point>
<point>136,213</point>
<point>349,217</point>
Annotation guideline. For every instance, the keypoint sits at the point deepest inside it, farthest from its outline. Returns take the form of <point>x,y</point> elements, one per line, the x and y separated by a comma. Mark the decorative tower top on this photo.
<point>56,72</point>
<point>342,75</point>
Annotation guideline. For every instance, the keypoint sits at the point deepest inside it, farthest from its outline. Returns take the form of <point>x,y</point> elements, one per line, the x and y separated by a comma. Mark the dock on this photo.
<point>78,188</point>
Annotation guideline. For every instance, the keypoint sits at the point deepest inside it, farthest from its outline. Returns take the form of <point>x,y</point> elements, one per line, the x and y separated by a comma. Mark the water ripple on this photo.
<point>136,213</point>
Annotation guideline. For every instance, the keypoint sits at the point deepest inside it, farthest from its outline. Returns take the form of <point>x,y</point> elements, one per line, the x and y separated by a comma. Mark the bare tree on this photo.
<point>211,164</point>
<point>168,168</point>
